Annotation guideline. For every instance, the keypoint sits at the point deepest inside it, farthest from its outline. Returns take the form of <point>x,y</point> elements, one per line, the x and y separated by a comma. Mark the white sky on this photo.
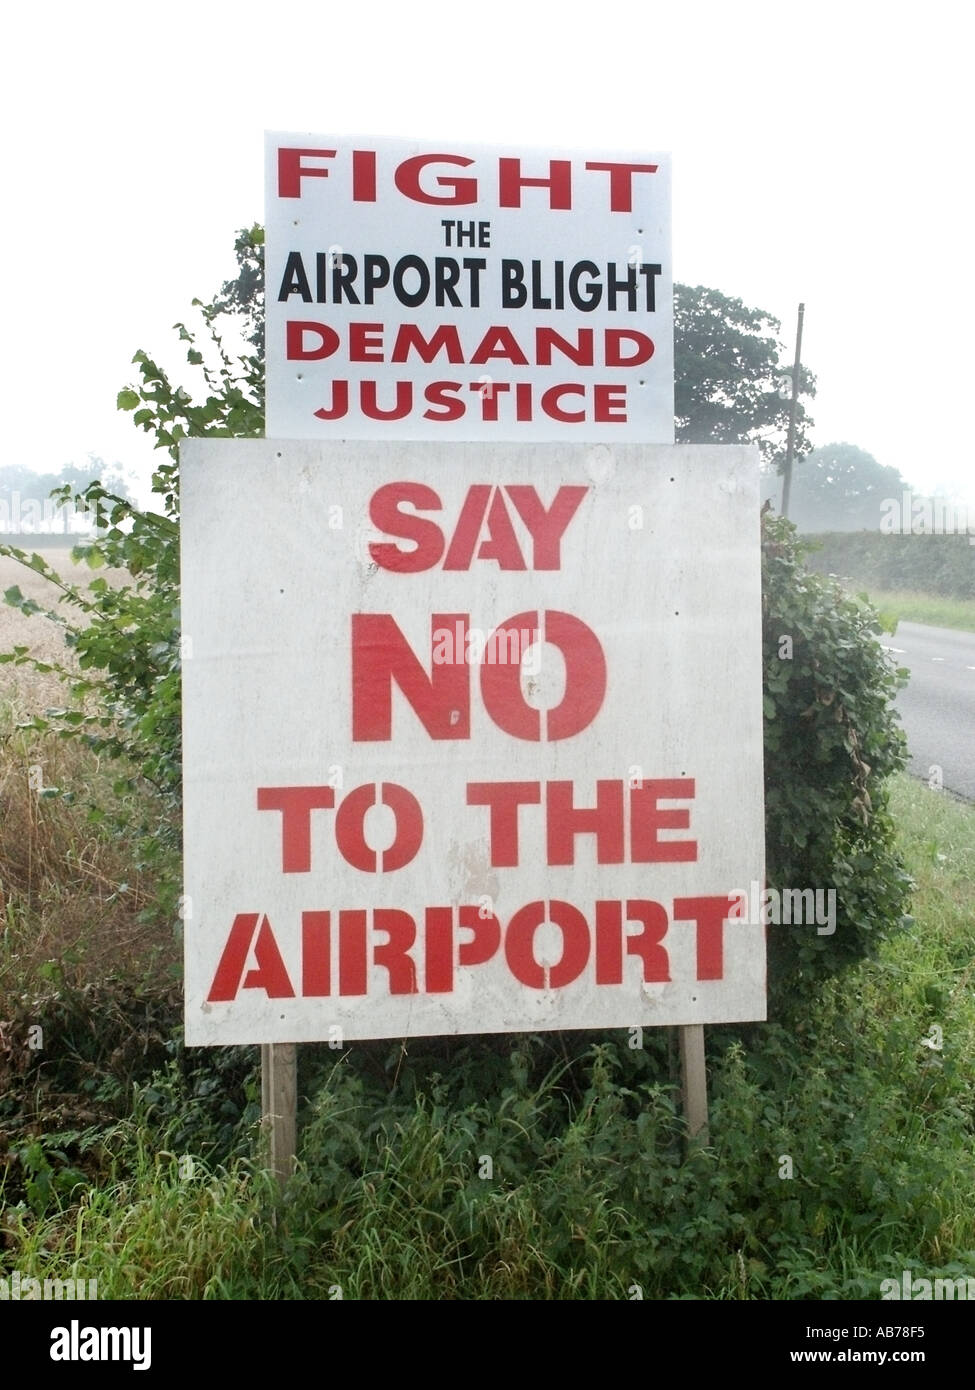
<point>821,153</point>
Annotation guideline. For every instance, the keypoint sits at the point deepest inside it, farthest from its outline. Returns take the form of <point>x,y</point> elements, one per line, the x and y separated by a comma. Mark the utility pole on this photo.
<point>793,407</point>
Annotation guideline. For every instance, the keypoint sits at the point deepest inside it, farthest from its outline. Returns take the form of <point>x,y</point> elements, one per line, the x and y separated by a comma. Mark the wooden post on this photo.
<point>279,1095</point>
<point>793,408</point>
<point>693,1079</point>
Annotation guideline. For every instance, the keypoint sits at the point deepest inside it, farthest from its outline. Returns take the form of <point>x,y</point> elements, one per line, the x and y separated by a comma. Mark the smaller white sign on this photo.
<point>441,291</point>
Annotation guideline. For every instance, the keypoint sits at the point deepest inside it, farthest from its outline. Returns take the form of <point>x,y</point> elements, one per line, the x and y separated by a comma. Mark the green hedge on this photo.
<point>930,564</point>
<point>832,738</point>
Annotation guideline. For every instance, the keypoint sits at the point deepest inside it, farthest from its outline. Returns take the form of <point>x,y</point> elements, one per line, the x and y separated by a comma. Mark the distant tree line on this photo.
<point>943,565</point>
<point>836,487</point>
<point>28,508</point>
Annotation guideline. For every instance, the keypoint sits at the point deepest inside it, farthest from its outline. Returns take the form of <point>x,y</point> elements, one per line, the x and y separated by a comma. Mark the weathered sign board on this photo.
<point>446,292</point>
<point>472,738</point>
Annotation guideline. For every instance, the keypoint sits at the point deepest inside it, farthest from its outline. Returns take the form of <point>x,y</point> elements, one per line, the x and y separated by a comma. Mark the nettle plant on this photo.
<point>831,736</point>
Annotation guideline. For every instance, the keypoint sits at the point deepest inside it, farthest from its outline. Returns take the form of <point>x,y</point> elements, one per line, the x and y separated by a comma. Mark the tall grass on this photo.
<point>88,972</point>
<point>904,605</point>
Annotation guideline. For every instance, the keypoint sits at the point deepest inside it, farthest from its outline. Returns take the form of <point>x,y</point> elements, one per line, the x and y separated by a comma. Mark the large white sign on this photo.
<point>443,291</point>
<point>472,738</point>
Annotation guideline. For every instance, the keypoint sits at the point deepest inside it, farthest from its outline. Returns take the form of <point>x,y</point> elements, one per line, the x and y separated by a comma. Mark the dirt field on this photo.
<point>25,690</point>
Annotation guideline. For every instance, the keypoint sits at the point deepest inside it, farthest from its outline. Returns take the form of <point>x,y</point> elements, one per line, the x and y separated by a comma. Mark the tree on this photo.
<point>243,296</point>
<point>28,503</point>
<point>840,487</point>
<point>730,386</point>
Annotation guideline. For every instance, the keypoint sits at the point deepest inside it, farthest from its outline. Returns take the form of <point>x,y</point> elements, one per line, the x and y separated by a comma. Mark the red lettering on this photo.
<point>385,514</point>
<point>437,394</point>
<point>291,170</point>
<point>340,403</point>
<point>296,351</point>
<point>270,975</point>
<point>350,827</point>
<point>609,943</point>
<point>484,941</point>
<point>364,345</point>
<point>501,682</point>
<point>458,938</point>
<point>646,944</point>
<point>547,338</point>
<point>504,798</point>
<point>407,179</point>
<point>382,655</point>
<point>468,527</point>
<point>552,408</point>
<point>296,805</point>
<point>401,930</point>
<point>564,822</point>
<point>498,342</point>
<point>519,944</point>
<point>364,176</point>
<point>585,680</point>
<point>409,338</point>
<point>353,971</point>
<point>511,182</point>
<point>438,949</point>
<point>609,404</point>
<point>710,915</point>
<point>490,392</point>
<point>485,937</point>
<point>646,819</point>
<point>621,182</point>
<point>370,405</point>
<point>500,544</point>
<point>547,527</point>
<point>615,337</point>
<point>316,946</point>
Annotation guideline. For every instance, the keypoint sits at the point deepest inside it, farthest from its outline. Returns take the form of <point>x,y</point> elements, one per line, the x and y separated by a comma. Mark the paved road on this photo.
<point>938,704</point>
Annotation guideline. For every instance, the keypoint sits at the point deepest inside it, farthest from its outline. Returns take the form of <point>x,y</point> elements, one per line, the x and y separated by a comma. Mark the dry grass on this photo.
<point>83,952</point>
<point>67,888</point>
<point>68,893</point>
<point>23,690</point>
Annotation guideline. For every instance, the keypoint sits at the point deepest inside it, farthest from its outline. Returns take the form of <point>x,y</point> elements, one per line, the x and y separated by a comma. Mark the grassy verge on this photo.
<point>554,1167</point>
<point>904,605</point>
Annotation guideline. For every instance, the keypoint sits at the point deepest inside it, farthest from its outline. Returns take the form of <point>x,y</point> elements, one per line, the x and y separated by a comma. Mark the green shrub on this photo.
<point>832,739</point>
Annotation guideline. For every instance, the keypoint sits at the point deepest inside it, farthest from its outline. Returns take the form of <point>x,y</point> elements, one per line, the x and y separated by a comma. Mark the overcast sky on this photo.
<point>821,153</point>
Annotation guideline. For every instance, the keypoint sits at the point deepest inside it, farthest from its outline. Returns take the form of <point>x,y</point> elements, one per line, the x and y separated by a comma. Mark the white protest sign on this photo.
<point>442,291</point>
<point>472,738</point>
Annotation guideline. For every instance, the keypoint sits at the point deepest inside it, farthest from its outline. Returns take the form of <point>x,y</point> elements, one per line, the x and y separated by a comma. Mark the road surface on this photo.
<point>938,704</point>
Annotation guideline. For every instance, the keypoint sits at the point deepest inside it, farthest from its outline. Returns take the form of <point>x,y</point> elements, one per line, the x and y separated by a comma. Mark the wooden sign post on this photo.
<point>694,1083</point>
<point>279,1095</point>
